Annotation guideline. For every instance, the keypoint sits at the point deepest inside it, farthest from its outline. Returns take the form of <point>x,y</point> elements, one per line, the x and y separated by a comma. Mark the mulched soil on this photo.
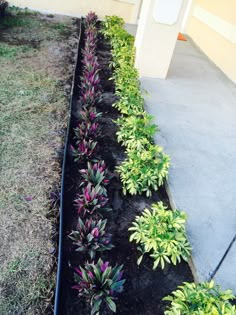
<point>144,288</point>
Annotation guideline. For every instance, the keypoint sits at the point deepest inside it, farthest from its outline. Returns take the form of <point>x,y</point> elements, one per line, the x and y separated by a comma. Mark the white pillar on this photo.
<point>136,11</point>
<point>157,34</point>
<point>187,15</point>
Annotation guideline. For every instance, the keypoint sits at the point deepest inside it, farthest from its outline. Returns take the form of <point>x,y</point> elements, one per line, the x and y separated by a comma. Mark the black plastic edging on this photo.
<point>61,224</point>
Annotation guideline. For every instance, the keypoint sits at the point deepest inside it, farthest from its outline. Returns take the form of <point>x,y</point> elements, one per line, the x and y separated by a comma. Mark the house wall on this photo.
<point>122,8</point>
<point>212,25</point>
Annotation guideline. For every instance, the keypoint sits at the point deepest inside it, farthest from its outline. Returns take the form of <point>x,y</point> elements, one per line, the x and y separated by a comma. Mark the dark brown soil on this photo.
<point>144,288</point>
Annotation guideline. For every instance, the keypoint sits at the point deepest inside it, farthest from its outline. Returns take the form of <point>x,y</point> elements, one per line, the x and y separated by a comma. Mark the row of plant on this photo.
<point>96,281</point>
<point>157,231</point>
<point>146,166</point>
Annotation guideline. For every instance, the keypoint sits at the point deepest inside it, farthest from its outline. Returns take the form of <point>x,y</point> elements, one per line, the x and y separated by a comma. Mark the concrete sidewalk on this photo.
<point>195,108</point>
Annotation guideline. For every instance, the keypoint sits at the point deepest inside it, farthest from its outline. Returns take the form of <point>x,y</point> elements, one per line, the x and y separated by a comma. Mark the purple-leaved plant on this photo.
<point>90,44</point>
<point>91,28</point>
<point>90,114</point>
<point>96,174</point>
<point>86,130</point>
<point>92,200</point>
<point>90,63</point>
<point>90,96</point>
<point>90,19</point>
<point>90,236</point>
<point>99,284</point>
<point>84,150</point>
<point>90,82</point>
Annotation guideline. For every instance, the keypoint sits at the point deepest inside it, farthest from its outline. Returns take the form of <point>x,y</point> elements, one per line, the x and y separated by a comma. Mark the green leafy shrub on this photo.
<point>131,104</point>
<point>200,299</point>
<point>133,129</point>
<point>146,166</point>
<point>161,233</point>
<point>123,53</point>
<point>124,73</point>
<point>144,170</point>
<point>113,20</point>
<point>126,80</point>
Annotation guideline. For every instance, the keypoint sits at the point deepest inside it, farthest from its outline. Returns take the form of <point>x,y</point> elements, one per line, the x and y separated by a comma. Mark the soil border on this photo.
<point>61,219</point>
<point>163,279</point>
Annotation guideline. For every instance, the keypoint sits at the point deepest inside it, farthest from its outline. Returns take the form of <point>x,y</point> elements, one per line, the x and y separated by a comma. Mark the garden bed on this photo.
<point>144,288</point>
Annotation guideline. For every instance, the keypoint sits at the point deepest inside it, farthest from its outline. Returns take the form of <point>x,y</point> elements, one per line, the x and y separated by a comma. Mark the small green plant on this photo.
<point>17,11</point>
<point>133,129</point>
<point>130,101</point>
<point>90,236</point>
<point>200,299</point>
<point>146,165</point>
<point>144,170</point>
<point>99,283</point>
<point>60,27</point>
<point>11,51</point>
<point>127,83</point>
<point>161,233</point>
<point>125,75</point>
<point>113,20</point>
<point>19,18</point>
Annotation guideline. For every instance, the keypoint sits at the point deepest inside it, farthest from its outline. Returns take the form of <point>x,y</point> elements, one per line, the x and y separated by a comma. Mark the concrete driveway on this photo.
<point>195,108</point>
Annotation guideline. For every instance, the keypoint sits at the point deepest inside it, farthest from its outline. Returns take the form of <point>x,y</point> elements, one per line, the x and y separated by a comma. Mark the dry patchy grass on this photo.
<point>33,115</point>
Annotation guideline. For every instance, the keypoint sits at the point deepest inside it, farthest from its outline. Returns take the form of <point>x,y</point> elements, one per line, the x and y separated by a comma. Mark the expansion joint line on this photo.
<point>223,258</point>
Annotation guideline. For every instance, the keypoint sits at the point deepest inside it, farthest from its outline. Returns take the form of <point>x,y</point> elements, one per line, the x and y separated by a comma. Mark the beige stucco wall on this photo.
<point>80,7</point>
<point>212,25</point>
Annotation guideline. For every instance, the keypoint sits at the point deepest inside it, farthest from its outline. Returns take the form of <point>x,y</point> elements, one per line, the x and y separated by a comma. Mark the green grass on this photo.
<point>23,19</point>
<point>21,11</point>
<point>18,21</point>
<point>61,28</point>
<point>11,51</point>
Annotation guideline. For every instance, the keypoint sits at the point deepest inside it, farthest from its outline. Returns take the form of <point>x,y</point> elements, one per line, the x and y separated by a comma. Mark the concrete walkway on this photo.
<point>195,108</point>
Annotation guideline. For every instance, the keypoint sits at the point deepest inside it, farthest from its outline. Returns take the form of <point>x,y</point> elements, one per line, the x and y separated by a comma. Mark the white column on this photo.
<point>136,10</point>
<point>157,34</point>
<point>187,15</point>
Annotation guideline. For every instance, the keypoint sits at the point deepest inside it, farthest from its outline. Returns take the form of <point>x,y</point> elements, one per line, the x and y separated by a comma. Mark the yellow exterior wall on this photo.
<point>225,9</point>
<point>217,41</point>
<point>80,7</point>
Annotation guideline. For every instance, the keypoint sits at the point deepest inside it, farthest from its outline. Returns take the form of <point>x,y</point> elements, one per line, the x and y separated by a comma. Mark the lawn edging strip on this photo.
<point>61,220</point>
